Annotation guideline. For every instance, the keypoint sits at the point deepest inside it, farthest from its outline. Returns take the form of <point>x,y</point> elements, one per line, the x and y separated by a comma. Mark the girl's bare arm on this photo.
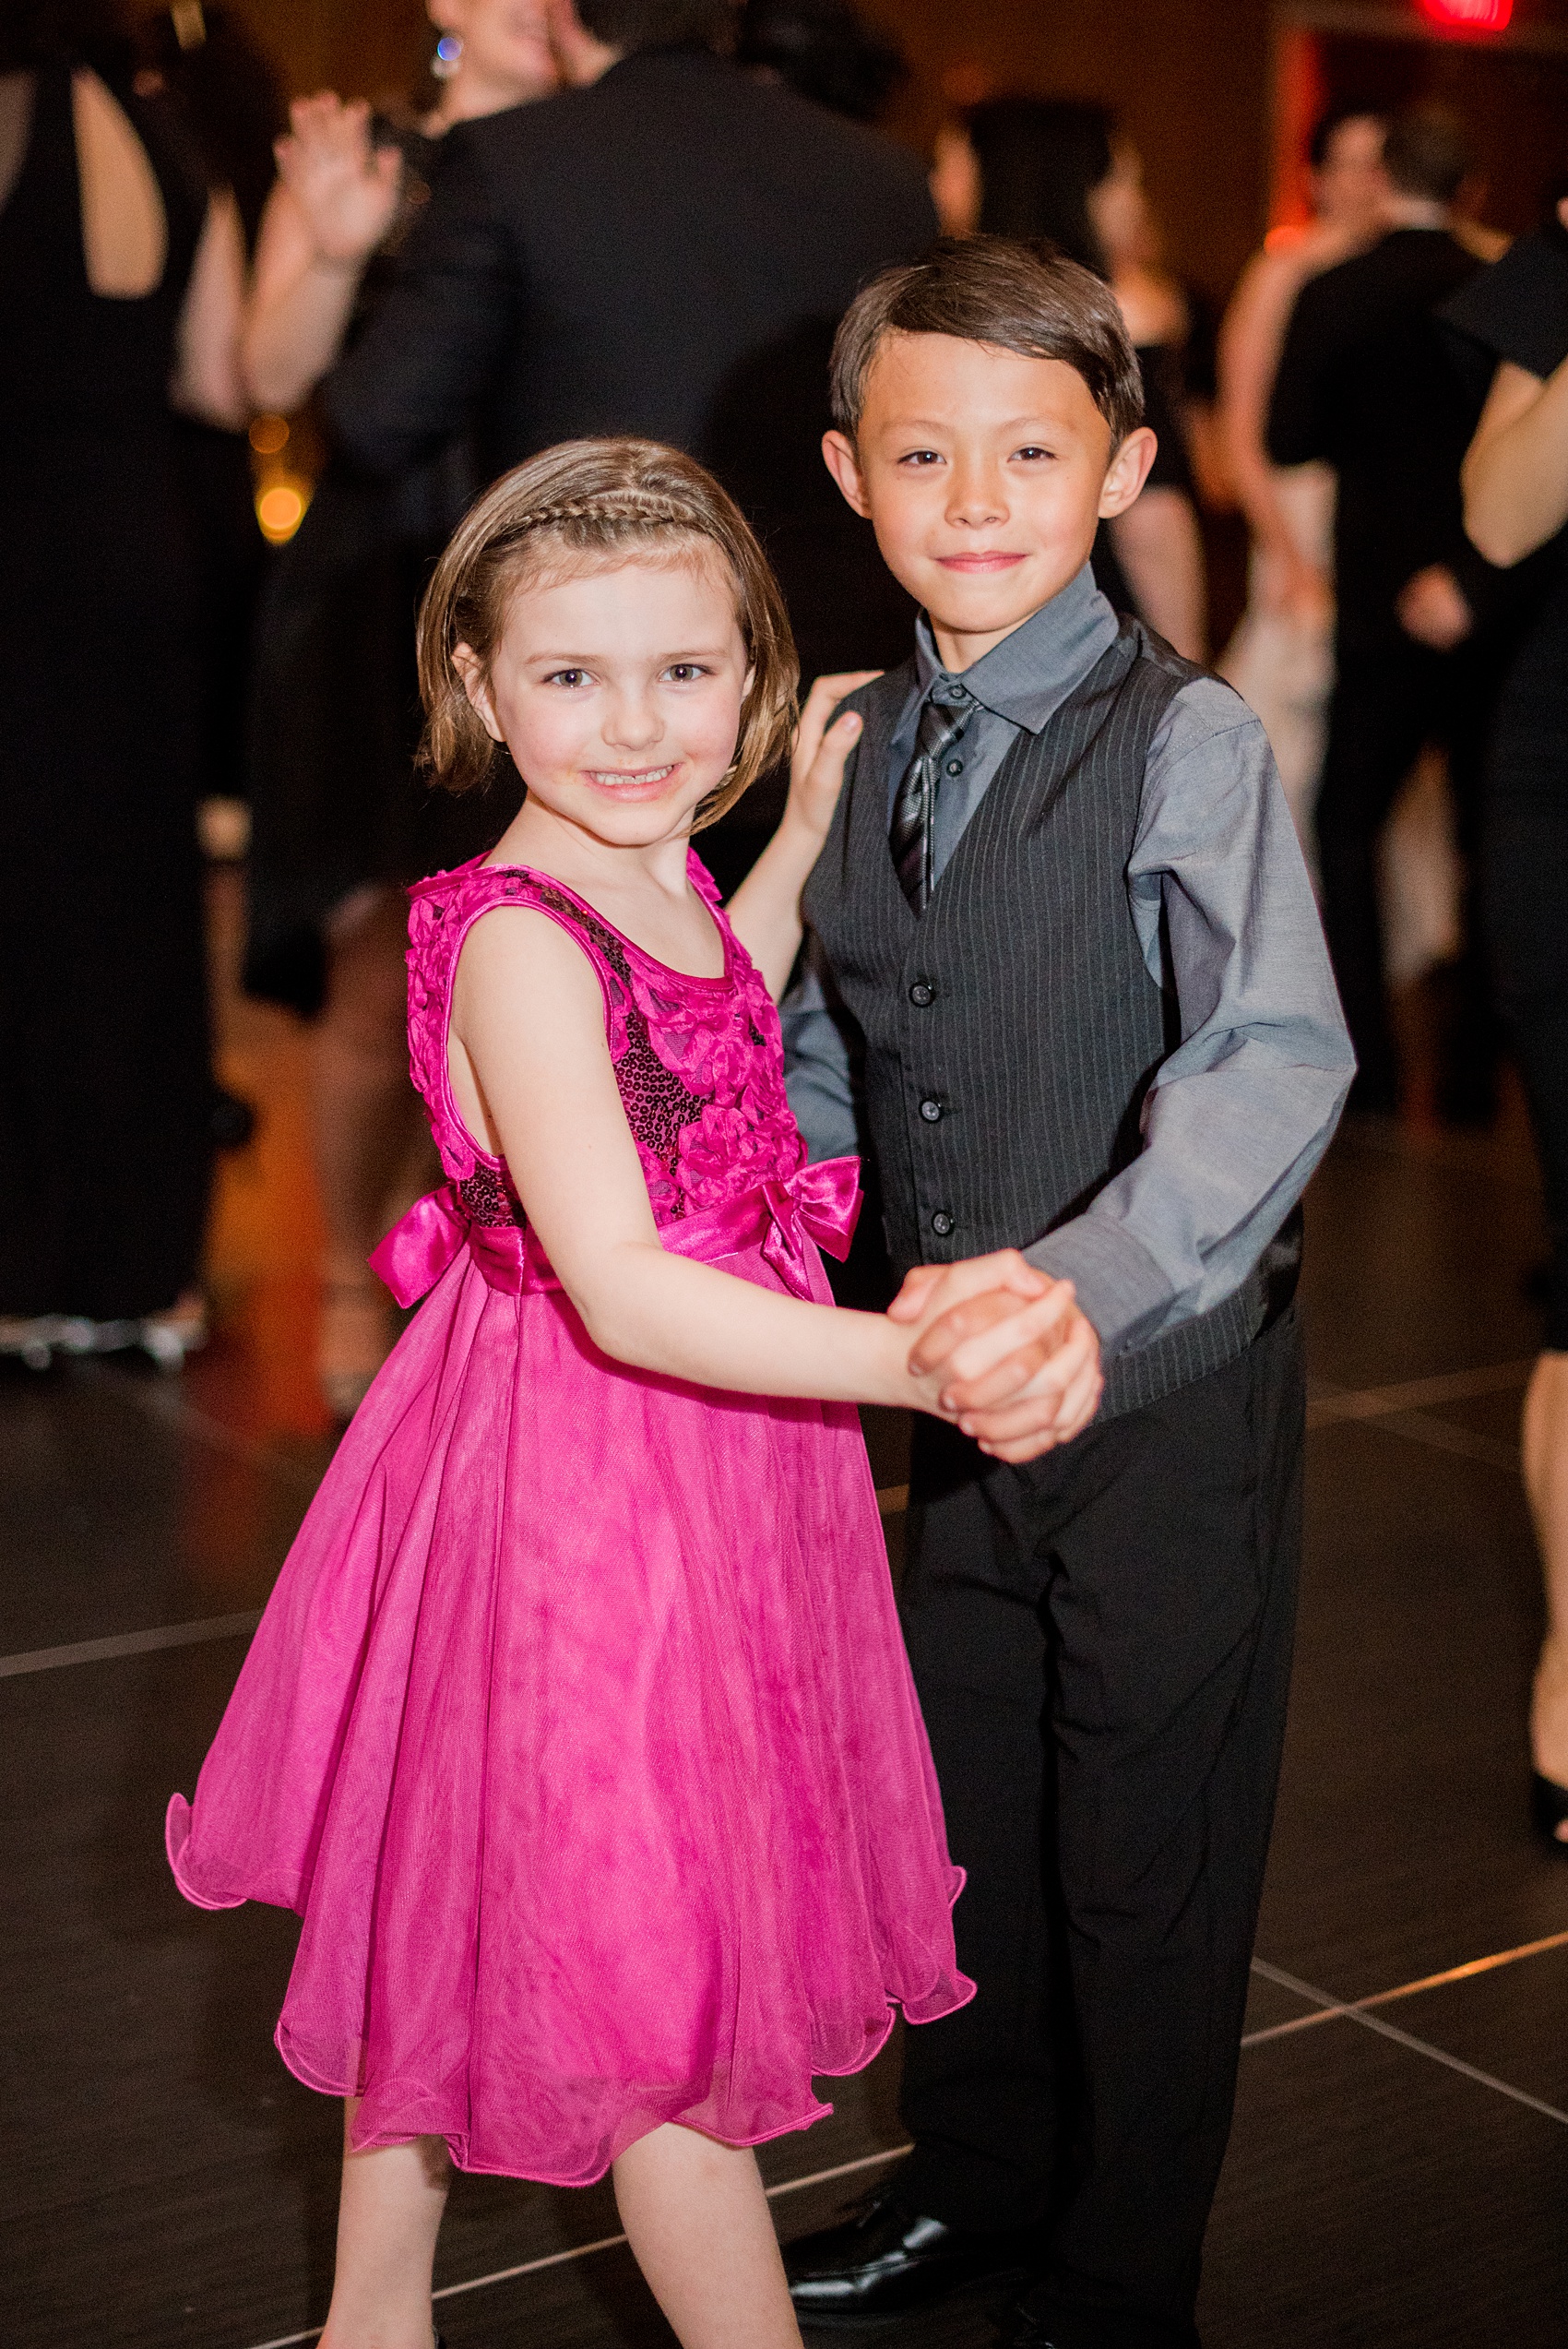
<point>533,1073</point>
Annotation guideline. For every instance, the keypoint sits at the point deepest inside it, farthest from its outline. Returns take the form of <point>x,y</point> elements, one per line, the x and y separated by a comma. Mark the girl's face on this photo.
<point>618,693</point>
<point>506,47</point>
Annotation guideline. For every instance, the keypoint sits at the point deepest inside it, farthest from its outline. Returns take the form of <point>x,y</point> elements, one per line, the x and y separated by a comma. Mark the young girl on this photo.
<point>578,1728</point>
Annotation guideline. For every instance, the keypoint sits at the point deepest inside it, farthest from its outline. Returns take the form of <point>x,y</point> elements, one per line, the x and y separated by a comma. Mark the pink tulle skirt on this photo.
<point>579,1732</point>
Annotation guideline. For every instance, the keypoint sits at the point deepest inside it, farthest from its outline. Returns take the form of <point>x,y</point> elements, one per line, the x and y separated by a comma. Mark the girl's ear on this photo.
<point>476,685</point>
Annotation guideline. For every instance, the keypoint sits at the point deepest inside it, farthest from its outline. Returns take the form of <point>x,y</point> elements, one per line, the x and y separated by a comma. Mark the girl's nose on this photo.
<point>633,723</point>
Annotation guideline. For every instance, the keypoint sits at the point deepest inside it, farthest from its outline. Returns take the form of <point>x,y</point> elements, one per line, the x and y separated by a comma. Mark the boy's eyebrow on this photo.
<point>1034,423</point>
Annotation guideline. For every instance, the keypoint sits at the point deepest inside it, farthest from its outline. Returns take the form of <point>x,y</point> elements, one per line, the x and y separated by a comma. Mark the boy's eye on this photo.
<point>920,457</point>
<point>1031,451</point>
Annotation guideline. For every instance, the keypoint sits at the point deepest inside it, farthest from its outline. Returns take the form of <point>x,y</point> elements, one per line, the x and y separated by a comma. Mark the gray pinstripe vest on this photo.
<point>1011,1030</point>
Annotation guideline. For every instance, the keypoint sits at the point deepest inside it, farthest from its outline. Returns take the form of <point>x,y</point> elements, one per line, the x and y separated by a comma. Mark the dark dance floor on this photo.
<point>1399,2177</point>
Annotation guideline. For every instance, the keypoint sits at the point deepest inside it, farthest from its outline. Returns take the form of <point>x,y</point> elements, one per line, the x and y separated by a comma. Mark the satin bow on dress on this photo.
<point>821,1201</point>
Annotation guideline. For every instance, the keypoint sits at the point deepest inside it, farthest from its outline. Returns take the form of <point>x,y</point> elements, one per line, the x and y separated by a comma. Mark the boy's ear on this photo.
<point>467,663</point>
<point>1127,472</point>
<point>839,455</point>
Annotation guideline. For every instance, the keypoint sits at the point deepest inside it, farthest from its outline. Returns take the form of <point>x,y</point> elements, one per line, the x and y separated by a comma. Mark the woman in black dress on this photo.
<point>337,822</point>
<point>1516,511</point>
<point>118,278</point>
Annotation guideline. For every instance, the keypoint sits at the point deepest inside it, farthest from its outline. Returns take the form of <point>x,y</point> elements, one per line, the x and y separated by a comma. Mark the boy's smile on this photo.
<point>984,474</point>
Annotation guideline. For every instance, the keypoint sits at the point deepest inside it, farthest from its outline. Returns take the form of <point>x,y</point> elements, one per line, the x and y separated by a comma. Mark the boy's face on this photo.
<point>984,475</point>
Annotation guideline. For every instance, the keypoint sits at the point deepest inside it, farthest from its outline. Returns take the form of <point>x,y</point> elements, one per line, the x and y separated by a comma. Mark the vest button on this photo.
<point>942,1224</point>
<point>931,1111</point>
<point>921,994</point>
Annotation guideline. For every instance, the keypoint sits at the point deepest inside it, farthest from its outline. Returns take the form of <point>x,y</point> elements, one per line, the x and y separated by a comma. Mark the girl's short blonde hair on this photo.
<point>581,505</point>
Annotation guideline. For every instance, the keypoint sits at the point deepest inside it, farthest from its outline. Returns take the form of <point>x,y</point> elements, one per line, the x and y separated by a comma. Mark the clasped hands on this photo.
<point>1003,1351</point>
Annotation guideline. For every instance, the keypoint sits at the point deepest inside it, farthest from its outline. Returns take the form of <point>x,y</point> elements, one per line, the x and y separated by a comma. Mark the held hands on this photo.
<point>816,763</point>
<point>1003,1350</point>
<point>346,188</point>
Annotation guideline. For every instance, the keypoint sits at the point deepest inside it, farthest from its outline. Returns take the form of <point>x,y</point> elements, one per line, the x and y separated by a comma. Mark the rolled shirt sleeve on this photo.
<point>1239,1114</point>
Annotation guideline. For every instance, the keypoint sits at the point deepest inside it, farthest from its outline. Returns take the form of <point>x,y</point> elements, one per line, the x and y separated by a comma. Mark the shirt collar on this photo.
<point>1029,676</point>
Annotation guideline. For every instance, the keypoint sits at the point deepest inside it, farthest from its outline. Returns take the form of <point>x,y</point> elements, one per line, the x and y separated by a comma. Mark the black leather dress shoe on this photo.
<point>881,2262</point>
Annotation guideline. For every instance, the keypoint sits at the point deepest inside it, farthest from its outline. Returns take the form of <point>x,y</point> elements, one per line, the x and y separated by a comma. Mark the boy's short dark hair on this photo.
<point>1023,297</point>
<point>1426,153</point>
<point>631,25</point>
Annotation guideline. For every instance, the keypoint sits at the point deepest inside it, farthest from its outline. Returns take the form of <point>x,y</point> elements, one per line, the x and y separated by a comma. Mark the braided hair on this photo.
<point>586,505</point>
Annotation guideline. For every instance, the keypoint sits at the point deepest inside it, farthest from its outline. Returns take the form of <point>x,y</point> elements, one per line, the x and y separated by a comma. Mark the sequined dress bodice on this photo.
<point>699,1062</point>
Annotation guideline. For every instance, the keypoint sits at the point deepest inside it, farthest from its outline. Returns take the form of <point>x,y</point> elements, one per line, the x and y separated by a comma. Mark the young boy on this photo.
<point>1065,964</point>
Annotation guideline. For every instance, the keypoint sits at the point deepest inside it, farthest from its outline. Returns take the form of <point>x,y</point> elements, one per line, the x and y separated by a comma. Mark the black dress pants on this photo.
<point>1101,1642</point>
<point>1389,702</point>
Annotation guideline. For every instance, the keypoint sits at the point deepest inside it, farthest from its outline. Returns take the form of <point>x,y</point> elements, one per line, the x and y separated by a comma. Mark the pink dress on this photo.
<point>579,1729</point>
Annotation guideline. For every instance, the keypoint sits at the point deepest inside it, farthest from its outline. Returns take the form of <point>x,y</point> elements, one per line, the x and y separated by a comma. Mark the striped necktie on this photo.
<point>911,833</point>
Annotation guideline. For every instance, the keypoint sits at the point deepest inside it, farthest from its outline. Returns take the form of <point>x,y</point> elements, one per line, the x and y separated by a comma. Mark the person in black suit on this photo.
<point>664,249</point>
<point>1365,382</point>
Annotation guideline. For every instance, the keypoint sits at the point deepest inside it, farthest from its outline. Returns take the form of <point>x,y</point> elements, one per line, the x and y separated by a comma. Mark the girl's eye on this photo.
<point>682,672</point>
<point>567,677</point>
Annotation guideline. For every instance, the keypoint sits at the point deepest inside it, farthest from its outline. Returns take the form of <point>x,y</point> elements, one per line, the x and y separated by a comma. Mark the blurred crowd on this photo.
<point>646,216</point>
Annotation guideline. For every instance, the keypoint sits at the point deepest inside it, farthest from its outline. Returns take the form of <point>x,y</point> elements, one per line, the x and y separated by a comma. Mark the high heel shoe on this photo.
<point>1548,1809</point>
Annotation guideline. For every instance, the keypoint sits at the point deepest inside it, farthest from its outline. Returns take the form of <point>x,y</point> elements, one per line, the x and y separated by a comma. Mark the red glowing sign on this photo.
<point>1469,15</point>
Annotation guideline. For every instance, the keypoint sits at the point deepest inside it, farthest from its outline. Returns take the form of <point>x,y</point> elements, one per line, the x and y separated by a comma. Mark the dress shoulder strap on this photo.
<point>441,911</point>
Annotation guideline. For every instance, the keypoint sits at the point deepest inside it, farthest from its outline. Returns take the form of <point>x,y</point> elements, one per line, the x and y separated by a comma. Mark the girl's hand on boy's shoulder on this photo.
<point>816,763</point>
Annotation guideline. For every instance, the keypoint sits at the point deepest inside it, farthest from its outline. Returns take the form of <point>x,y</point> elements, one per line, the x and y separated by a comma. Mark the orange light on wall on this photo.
<point>1469,15</point>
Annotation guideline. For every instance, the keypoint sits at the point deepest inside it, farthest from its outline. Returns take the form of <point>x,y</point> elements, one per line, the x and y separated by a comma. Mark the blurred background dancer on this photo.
<point>665,249</point>
<point>1516,484</point>
<point>1366,385</point>
<point>121,284</point>
<point>1281,658</point>
<point>338,825</point>
<point>1064,168</point>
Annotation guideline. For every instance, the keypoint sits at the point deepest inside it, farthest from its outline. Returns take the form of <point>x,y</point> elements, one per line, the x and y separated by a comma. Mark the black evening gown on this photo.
<point>1519,311</point>
<point>105,1097</point>
<point>334,716</point>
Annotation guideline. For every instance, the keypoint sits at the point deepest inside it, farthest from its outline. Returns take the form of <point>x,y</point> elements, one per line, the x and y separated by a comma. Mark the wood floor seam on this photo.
<point>130,1643</point>
<point>1327,1405</point>
<point>1337,2010</point>
<point>1472,1969</point>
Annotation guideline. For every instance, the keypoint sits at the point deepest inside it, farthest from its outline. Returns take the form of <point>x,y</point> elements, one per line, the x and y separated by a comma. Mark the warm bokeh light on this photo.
<point>280,510</point>
<point>1470,16</point>
<point>268,435</point>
